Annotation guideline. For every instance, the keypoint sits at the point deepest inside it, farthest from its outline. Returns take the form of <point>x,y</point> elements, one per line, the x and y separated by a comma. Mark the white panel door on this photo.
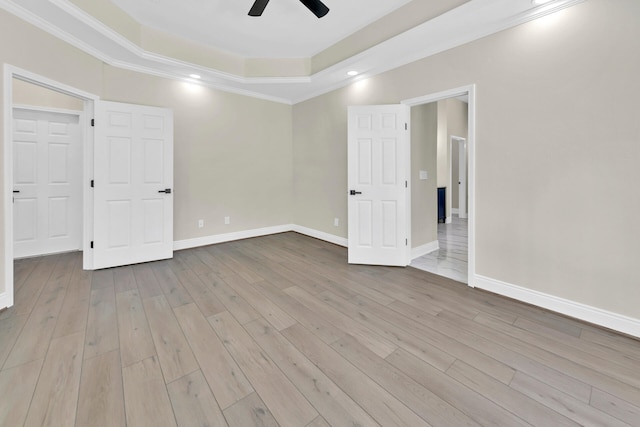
<point>133,179</point>
<point>47,190</point>
<point>377,178</point>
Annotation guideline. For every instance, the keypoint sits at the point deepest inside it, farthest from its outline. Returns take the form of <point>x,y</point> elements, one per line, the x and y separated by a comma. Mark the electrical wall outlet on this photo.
<point>227,220</point>
<point>200,223</point>
<point>336,222</point>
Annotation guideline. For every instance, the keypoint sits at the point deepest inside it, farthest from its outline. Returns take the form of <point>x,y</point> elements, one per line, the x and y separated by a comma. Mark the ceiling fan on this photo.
<point>316,6</point>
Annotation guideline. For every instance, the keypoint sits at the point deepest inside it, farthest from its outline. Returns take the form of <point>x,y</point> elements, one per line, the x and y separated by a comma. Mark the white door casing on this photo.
<point>47,174</point>
<point>462,178</point>
<point>378,167</point>
<point>133,215</point>
<point>470,92</point>
<point>458,145</point>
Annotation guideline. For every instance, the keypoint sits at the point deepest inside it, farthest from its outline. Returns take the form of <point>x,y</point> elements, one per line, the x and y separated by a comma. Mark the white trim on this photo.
<point>449,30</point>
<point>6,298</point>
<point>331,238</point>
<point>139,51</point>
<point>454,140</point>
<point>448,220</point>
<point>471,159</point>
<point>229,237</point>
<point>48,109</point>
<point>257,232</point>
<point>44,25</point>
<point>37,79</point>
<point>597,316</point>
<point>87,195</point>
<point>406,140</point>
<point>61,34</point>
<point>219,86</point>
<point>439,96</point>
<point>424,249</point>
<point>472,145</point>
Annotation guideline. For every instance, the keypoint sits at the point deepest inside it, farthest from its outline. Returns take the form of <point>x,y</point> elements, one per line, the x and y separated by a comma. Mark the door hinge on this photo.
<point>406,242</point>
<point>93,122</point>
<point>92,244</point>
<point>406,126</point>
<point>92,183</point>
<point>406,184</point>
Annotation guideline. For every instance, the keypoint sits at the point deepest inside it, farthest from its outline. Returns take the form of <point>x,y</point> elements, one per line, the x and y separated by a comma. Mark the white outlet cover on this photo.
<point>424,175</point>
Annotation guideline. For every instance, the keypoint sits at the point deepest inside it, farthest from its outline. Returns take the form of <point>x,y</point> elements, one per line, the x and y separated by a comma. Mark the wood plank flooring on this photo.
<point>281,331</point>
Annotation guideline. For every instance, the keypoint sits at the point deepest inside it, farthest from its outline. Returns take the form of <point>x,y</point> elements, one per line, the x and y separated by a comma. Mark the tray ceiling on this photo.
<point>300,56</point>
<point>285,30</point>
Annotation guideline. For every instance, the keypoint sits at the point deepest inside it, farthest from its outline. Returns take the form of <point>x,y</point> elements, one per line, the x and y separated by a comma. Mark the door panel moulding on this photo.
<point>133,196</point>
<point>379,161</point>
<point>76,170</point>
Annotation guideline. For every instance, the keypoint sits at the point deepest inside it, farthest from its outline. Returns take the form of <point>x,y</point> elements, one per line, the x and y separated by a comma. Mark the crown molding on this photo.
<point>466,23</point>
<point>219,86</point>
<point>106,31</point>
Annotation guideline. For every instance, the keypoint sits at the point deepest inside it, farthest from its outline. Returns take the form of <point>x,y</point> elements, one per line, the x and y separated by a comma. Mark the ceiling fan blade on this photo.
<point>258,7</point>
<point>316,6</point>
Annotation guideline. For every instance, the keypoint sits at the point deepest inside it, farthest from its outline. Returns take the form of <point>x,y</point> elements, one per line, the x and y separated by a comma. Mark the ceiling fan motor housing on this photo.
<point>315,6</point>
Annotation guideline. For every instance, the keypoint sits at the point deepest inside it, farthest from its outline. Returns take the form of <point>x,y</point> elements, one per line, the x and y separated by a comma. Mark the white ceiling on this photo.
<point>287,29</point>
<point>471,21</point>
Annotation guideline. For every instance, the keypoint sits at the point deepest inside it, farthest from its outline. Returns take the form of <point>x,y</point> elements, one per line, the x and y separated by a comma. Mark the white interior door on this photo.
<point>47,173</point>
<point>378,157</point>
<point>133,179</point>
<point>462,178</point>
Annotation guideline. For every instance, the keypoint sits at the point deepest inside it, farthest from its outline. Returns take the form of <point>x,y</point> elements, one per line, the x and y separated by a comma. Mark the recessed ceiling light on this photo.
<point>195,76</point>
<point>352,73</point>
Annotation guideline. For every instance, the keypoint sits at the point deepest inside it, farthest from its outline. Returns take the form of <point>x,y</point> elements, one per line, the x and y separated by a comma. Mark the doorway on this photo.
<point>14,76</point>
<point>453,240</point>
<point>132,186</point>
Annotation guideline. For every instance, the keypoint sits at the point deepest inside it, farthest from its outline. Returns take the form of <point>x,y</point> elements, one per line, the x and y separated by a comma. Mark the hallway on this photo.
<point>451,260</point>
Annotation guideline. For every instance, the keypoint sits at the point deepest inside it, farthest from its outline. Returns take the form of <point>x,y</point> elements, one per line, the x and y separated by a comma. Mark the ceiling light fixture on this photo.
<point>352,73</point>
<point>195,76</point>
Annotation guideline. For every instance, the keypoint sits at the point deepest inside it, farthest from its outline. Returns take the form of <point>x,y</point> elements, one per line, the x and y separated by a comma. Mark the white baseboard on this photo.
<point>607,319</point>
<point>455,211</point>
<point>257,232</point>
<point>424,249</point>
<point>6,300</point>
<point>597,316</point>
<point>448,220</point>
<point>331,238</point>
<point>229,237</point>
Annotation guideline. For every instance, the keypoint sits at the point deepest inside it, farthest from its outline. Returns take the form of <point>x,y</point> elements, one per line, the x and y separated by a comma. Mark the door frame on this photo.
<point>9,73</point>
<point>469,90</point>
<point>462,145</point>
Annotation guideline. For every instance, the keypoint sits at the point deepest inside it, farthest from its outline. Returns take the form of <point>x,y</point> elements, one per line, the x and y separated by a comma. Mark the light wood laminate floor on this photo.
<point>279,330</point>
